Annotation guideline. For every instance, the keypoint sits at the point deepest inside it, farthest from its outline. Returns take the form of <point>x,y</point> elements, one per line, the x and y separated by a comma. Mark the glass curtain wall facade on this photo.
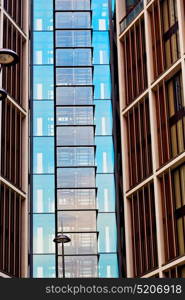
<point>75,142</point>
<point>42,165</point>
<point>73,187</point>
<point>105,180</point>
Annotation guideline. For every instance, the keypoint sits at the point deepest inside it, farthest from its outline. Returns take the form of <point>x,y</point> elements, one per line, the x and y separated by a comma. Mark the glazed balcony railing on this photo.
<point>132,14</point>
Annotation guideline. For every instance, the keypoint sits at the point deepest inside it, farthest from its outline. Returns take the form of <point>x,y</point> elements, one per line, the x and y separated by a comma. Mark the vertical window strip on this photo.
<point>139,142</point>
<point>135,61</point>
<point>10,231</point>
<point>143,230</point>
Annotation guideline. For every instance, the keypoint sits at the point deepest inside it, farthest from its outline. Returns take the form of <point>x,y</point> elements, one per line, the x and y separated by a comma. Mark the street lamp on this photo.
<point>8,57</point>
<point>62,239</point>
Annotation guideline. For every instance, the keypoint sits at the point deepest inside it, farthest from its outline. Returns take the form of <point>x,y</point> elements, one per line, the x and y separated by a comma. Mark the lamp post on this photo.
<point>62,239</point>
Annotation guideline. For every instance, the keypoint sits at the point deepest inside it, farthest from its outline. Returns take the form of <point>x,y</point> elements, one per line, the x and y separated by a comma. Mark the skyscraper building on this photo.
<point>72,177</point>
<point>14,30</point>
<point>151,60</point>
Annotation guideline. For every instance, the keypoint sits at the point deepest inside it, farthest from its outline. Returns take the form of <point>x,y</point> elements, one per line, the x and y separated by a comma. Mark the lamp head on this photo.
<point>8,57</point>
<point>61,238</point>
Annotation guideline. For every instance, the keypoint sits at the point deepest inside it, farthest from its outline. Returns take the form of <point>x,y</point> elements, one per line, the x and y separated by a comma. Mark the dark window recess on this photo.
<point>139,142</point>
<point>11,144</point>
<point>177,272</point>
<point>135,61</point>
<point>144,240</point>
<point>15,9</point>
<point>10,231</point>
<point>170,118</point>
<point>130,4</point>
<point>13,76</point>
<point>172,189</point>
<point>165,35</point>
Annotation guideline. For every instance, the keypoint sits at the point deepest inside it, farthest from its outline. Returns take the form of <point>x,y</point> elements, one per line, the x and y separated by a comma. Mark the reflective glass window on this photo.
<point>104,154</point>
<point>76,177</point>
<point>76,199</point>
<point>80,156</point>
<point>106,192</point>
<point>74,95</point>
<point>43,233</point>
<point>75,115</point>
<point>107,232</point>
<point>76,221</point>
<point>73,57</point>
<point>73,20</point>
<point>79,266</point>
<point>43,48</point>
<point>74,76</point>
<point>73,38</point>
<point>101,53</point>
<point>102,82</point>
<point>103,117</point>
<point>108,266</point>
<point>43,193</point>
<point>72,4</point>
<point>43,15</point>
<point>100,16</point>
<point>44,266</point>
<point>81,243</point>
<point>71,136</point>
<point>43,118</point>
<point>43,84</point>
<point>43,155</point>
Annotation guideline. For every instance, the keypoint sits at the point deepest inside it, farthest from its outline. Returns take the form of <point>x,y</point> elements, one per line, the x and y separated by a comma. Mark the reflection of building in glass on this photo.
<point>151,77</point>
<point>73,180</point>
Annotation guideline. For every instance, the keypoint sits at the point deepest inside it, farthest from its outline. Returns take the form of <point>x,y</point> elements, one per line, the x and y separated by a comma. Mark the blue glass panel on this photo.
<point>43,48</point>
<point>113,6</point>
<point>108,266</point>
<point>43,155</point>
<point>107,232</point>
<point>44,266</point>
<point>73,20</point>
<point>43,233</point>
<point>73,57</point>
<point>76,178</point>
<point>43,15</point>
<point>72,4</point>
<point>103,117</point>
<point>43,193</point>
<point>73,38</point>
<point>102,82</point>
<point>101,47</point>
<point>106,192</point>
<point>100,17</point>
<point>43,82</point>
<point>74,76</point>
<point>74,95</point>
<point>105,154</point>
<point>43,118</point>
